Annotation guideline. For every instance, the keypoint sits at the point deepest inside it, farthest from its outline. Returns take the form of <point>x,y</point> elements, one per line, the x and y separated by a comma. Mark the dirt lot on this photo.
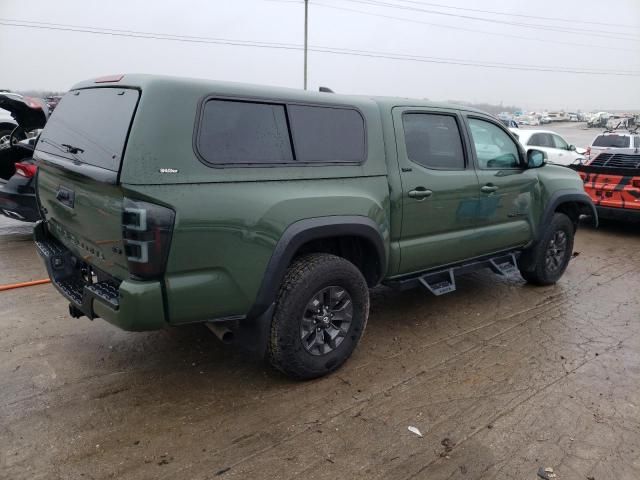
<point>501,378</point>
<point>575,133</point>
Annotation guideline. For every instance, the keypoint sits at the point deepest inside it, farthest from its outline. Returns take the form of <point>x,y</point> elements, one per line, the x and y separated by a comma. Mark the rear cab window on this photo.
<point>612,141</point>
<point>244,133</point>
<point>90,126</point>
<point>433,141</point>
<point>324,134</point>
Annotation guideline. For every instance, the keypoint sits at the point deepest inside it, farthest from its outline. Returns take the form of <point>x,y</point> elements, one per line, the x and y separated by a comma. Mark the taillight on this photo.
<point>146,232</point>
<point>32,103</point>
<point>27,170</point>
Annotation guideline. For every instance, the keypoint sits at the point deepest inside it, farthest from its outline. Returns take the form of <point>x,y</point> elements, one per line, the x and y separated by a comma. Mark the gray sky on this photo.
<point>49,59</point>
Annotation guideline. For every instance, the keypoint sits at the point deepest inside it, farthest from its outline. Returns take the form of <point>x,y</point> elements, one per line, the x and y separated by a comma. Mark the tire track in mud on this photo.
<point>538,311</point>
<point>385,381</point>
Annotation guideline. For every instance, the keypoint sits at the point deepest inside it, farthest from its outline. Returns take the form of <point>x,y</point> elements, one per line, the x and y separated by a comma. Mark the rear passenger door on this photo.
<point>439,188</point>
<point>507,188</point>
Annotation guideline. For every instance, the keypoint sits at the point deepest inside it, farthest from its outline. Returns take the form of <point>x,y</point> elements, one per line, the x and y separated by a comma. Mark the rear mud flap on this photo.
<point>253,334</point>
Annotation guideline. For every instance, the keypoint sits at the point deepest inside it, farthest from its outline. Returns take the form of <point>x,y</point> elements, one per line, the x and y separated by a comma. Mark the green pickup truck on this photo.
<point>268,213</point>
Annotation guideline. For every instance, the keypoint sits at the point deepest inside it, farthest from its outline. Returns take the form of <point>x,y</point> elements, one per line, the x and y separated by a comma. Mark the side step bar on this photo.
<point>505,265</point>
<point>439,283</point>
<point>443,281</point>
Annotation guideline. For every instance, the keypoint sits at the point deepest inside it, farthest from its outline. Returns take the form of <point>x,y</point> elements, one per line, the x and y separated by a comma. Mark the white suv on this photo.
<point>627,142</point>
<point>558,150</point>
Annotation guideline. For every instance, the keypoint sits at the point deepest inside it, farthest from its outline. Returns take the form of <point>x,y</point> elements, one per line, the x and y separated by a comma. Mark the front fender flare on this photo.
<point>568,196</point>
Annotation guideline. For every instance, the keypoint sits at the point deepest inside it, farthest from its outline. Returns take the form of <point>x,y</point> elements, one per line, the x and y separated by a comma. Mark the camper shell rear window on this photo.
<point>256,133</point>
<point>90,126</point>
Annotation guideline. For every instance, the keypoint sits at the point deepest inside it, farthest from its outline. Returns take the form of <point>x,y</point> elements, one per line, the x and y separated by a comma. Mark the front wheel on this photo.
<point>321,312</point>
<point>545,262</point>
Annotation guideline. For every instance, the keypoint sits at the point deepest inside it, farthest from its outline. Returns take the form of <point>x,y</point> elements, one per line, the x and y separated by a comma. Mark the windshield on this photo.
<point>613,141</point>
<point>90,126</point>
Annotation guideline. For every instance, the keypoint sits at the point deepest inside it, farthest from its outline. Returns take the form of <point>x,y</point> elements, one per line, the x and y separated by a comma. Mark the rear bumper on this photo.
<point>127,304</point>
<point>17,205</point>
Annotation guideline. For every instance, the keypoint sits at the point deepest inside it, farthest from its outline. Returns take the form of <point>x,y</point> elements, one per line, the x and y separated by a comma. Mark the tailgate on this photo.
<point>85,215</point>
<point>613,180</point>
<point>80,152</point>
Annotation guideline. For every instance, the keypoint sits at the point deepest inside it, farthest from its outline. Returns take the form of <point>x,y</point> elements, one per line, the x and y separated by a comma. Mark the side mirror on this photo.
<point>536,158</point>
<point>572,148</point>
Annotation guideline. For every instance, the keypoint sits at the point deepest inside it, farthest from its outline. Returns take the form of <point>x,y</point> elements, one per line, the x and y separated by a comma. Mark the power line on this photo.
<point>446,61</point>
<point>506,14</point>
<point>136,33</point>
<point>147,35</point>
<point>599,33</point>
<point>318,49</point>
<point>451,27</point>
<point>494,12</point>
<point>554,28</point>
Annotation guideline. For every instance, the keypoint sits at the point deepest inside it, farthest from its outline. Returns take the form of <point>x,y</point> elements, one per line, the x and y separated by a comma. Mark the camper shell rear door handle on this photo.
<point>66,196</point>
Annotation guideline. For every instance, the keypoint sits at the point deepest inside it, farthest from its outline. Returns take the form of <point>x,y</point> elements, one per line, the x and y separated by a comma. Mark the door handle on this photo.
<point>488,188</point>
<point>420,192</point>
<point>66,196</point>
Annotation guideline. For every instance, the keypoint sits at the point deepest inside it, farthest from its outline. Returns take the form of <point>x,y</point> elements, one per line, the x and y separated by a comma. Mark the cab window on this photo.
<point>494,148</point>
<point>433,141</point>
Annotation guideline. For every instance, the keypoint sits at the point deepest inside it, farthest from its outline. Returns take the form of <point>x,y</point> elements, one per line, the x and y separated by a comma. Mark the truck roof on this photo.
<point>206,86</point>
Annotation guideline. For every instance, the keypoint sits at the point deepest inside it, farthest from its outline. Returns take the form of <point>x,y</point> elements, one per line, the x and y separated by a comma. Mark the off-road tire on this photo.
<point>533,265</point>
<point>305,277</point>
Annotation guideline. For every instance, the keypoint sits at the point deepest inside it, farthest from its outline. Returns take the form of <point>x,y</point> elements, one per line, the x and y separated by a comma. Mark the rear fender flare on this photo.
<point>303,231</point>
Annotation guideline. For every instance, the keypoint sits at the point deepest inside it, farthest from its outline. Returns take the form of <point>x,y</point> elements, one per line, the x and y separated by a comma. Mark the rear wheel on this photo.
<point>321,312</point>
<point>545,263</point>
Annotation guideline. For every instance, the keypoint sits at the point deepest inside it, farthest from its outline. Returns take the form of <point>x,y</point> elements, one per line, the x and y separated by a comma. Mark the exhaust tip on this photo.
<point>224,334</point>
<point>227,337</point>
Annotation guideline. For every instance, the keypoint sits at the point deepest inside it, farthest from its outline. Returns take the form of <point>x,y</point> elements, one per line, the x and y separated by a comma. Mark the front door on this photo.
<point>507,188</point>
<point>440,188</point>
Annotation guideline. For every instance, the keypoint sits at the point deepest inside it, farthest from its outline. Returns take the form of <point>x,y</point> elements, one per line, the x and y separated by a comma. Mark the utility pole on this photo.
<point>306,32</point>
